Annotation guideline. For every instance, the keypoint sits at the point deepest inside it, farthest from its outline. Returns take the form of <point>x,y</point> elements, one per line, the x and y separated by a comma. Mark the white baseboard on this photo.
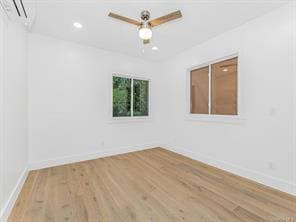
<point>267,180</point>
<point>88,156</point>
<point>5,212</point>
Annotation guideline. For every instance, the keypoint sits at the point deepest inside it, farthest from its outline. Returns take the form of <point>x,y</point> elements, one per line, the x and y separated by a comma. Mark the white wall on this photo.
<point>1,111</point>
<point>247,146</point>
<point>294,75</point>
<point>70,100</point>
<point>13,108</point>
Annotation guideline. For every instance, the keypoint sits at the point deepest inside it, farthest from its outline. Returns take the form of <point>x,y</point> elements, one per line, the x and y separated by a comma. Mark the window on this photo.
<point>121,96</point>
<point>130,97</point>
<point>200,91</point>
<point>141,91</point>
<point>213,88</point>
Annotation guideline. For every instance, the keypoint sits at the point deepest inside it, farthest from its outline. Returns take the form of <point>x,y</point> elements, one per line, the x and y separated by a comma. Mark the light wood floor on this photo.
<point>152,185</point>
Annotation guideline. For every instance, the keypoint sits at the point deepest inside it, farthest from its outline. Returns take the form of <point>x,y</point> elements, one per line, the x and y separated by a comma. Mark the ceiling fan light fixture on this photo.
<point>145,31</point>
<point>146,25</point>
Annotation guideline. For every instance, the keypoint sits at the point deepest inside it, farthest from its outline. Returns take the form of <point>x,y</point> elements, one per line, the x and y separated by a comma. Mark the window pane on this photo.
<point>200,91</point>
<point>224,88</point>
<point>141,97</point>
<point>121,96</point>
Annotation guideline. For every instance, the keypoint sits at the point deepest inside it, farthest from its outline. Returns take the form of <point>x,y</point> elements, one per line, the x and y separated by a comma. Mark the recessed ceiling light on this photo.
<point>155,48</point>
<point>77,25</point>
<point>225,70</point>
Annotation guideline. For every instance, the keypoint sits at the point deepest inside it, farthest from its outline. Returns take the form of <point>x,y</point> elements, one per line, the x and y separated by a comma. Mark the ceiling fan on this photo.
<point>145,26</point>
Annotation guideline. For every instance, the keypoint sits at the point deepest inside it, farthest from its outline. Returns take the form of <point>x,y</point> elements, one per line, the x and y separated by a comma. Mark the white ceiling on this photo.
<point>202,19</point>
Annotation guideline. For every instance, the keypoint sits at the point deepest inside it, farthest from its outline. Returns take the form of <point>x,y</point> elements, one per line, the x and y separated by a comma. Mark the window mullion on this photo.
<point>210,89</point>
<point>132,97</point>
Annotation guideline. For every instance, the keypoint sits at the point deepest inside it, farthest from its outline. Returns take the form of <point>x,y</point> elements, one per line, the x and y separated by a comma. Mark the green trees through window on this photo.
<point>121,96</point>
<point>141,97</point>
<point>124,104</point>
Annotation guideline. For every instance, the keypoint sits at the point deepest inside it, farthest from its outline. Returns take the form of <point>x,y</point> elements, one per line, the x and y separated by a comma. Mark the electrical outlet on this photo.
<point>271,165</point>
<point>272,111</point>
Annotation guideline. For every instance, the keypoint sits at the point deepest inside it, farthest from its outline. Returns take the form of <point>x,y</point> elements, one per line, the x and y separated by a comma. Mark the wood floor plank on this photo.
<point>150,185</point>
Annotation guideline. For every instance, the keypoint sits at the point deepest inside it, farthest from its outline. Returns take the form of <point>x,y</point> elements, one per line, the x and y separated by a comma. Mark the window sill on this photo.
<point>215,118</point>
<point>118,120</point>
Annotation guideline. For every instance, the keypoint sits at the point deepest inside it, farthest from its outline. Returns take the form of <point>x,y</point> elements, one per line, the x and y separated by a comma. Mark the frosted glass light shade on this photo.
<point>145,33</point>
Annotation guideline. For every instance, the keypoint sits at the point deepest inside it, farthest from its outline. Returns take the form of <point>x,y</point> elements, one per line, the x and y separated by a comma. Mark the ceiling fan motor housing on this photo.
<point>145,15</point>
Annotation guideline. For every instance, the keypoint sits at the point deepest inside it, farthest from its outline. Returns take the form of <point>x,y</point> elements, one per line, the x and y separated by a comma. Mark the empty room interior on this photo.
<point>137,111</point>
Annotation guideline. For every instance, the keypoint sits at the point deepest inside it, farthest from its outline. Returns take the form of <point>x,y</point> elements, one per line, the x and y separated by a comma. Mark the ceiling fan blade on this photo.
<point>125,19</point>
<point>146,41</point>
<point>166,18</point>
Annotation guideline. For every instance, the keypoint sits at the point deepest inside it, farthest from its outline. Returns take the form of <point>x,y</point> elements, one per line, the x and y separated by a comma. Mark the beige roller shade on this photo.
<point>224,87</point>
<point>200,91</point>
